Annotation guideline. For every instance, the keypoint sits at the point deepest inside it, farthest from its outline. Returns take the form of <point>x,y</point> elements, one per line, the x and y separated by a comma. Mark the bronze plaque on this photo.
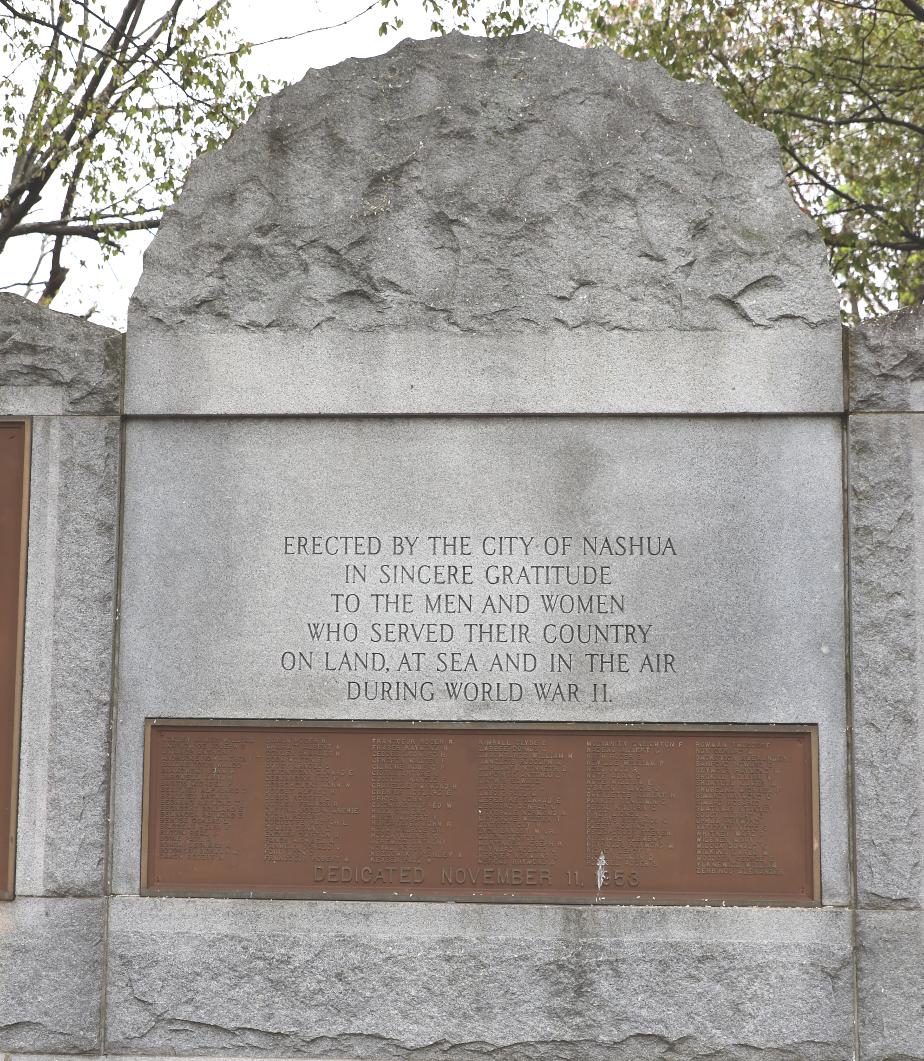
<point>512,812</point>
<point>14,438</point>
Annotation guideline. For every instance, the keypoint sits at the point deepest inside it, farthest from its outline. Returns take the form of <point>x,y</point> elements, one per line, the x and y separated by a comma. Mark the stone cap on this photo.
<point>472,225</point>
<point>54,363</point>
<point>887,363</point>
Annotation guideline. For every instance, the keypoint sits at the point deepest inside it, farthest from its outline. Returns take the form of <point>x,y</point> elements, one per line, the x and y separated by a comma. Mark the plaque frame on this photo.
<point>313,894</point>
<point>8,823</point>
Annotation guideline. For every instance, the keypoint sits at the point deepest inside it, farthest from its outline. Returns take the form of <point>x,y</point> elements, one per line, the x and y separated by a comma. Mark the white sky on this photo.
<point>105,287</point>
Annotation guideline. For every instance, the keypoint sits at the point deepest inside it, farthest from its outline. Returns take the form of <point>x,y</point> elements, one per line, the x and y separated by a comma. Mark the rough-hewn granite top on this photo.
<point>887,363</point>
<point>55,363</point>
<point>611,231</point>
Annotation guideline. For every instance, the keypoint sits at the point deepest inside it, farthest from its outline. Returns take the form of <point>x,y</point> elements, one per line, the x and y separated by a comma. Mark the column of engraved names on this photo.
<point>308,798</point>
<point>412,799</point>
<point>201,798</point>
<point>626,798</point>
<point>520,811</point>
<point>735,789</point>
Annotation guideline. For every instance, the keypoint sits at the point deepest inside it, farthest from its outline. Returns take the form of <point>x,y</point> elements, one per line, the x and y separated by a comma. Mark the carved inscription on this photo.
<point>539,619</point>
<point>459,811</point>
<point>13,496</point>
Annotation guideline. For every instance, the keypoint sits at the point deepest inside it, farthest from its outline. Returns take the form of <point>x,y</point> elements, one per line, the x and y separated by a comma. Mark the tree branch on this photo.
<point>915,8</point>
<point>840,239</point>
<point>305,32</point>
<point>852,119</point>
<point>819,178</point>
<point>90,231</point>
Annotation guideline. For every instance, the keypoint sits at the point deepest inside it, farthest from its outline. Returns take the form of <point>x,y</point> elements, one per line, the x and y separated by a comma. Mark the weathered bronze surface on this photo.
<point>556,813</point>
<point>13,501</point>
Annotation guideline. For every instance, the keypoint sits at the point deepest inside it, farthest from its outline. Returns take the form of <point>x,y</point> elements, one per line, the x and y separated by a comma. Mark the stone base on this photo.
<point>891,984</point>
<point>50,974</point>
<point>459,982</point>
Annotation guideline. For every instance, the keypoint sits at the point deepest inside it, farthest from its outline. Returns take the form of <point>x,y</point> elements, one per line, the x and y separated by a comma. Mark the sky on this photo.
<point>101,289</point>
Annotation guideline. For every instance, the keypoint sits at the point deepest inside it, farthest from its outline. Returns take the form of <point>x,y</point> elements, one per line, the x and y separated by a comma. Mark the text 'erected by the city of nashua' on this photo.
<point>479,618</point>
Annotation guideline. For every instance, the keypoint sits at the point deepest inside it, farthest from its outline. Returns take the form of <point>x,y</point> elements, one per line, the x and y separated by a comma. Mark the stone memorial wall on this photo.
<point>886,474</point>
<point>63,376</point>
<point>498,668</point>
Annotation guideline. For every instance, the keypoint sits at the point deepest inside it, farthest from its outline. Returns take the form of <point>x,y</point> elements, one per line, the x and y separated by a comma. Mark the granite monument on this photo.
<point>475,615</point>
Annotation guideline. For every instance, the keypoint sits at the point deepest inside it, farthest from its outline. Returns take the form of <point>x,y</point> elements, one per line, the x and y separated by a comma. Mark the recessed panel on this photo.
<point>485,813</point>
<point>539,571</point>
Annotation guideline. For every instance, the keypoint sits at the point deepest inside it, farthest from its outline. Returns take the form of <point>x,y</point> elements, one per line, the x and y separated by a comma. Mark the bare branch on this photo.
<point>314,29</point>
<point>56,275</point>
<point>858,118</point>
<point>89,231</point>
<point>851,239</point>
